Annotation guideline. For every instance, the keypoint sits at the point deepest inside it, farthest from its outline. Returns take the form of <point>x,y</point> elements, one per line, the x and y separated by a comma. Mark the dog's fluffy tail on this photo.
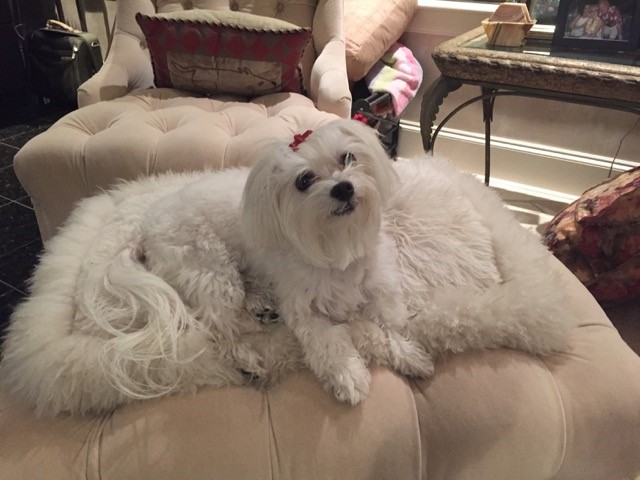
<point>152,336</point>
<point>131,338</point>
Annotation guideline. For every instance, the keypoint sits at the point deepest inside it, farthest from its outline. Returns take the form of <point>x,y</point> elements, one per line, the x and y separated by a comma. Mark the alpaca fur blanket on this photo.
<point>59,357</point>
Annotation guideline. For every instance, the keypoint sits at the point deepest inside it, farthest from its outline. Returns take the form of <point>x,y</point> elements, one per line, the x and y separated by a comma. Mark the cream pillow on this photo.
<point>371,27</point>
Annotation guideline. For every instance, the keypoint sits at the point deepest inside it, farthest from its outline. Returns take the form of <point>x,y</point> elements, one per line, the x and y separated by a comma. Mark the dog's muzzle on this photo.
<point>345,209</point>
<point>344,192</point>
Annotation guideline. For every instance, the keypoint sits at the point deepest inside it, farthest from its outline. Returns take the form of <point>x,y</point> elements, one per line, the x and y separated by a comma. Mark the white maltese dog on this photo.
<point>311,216</point>
<point>307,238</point>
<point>366,256</point>
<point>170,283</point>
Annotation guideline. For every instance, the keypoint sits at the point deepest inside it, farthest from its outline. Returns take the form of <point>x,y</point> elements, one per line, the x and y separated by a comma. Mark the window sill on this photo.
<point>449,18</point>
<point>457,6</point>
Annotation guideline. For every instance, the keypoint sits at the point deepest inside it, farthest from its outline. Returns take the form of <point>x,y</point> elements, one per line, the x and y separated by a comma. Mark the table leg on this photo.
<point>431,101</point>
<point>487,116</point>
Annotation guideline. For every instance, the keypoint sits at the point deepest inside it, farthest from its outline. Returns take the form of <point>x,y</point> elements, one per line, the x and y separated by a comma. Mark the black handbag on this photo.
<point>60,59</point>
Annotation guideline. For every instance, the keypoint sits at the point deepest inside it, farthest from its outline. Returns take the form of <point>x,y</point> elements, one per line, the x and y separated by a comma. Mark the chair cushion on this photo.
<point>213,52</point>
<point>371,27</point>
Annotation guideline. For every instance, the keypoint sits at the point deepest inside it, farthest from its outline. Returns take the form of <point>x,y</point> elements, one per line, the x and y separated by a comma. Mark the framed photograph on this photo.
<point>597,25</point>
<point>544,12</point>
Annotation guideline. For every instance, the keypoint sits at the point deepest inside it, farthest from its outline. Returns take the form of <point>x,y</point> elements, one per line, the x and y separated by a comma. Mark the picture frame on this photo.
<point>597,25</point>
<point>544,12</point>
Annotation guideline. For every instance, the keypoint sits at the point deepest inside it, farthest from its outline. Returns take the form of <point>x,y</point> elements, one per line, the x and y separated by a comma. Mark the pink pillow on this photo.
<point>224,52</point>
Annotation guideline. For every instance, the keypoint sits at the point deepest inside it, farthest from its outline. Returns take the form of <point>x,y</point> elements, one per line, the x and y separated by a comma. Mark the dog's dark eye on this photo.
<point>304,181</point>
<point>347,158</point>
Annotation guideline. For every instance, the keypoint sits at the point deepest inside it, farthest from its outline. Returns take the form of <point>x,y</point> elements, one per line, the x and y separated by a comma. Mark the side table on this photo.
<point>608,80</point>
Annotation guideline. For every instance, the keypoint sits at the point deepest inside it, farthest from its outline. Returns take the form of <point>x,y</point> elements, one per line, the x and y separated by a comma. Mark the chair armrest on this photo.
<point>128,65</point>
<point>126,68</point>
<point>329,86</point>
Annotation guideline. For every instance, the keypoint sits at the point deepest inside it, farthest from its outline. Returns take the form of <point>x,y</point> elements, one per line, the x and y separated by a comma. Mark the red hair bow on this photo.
<point>298,139</point>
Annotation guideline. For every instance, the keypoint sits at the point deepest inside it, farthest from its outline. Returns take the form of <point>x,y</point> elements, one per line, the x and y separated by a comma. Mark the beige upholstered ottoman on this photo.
<point>151,131</point>
<point>484,415</point>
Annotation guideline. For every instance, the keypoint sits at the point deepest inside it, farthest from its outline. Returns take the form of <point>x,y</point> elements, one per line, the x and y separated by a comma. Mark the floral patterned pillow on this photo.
<point>224,52</point>
<point>598,238</point>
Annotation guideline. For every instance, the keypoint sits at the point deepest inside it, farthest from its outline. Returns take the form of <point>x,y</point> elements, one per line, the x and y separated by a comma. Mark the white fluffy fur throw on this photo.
<point>157,286</point>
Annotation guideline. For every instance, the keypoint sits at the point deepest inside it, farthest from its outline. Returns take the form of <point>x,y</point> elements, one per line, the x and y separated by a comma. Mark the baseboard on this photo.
<point>537,170</point>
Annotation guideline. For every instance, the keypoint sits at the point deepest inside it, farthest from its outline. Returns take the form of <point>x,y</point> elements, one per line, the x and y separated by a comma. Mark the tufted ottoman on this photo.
<point>494,415</point>
<point>146,132</point>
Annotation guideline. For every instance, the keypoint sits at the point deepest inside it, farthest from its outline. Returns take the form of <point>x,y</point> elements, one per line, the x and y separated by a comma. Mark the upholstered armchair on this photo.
<point>498,414</point>
<point>125,128</point>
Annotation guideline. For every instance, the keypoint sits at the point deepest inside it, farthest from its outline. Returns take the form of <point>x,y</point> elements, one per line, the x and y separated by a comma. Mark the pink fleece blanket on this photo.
<point>397,72</point>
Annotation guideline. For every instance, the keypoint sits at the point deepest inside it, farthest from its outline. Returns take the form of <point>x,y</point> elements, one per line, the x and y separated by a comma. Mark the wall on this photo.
<point>12,74</point>
<point>99,16</point>
<point>540,147</point>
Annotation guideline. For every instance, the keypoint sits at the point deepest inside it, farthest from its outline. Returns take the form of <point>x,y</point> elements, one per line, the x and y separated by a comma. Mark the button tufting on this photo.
<point>187,5</point>
<point>234,6</point>
<point>279,8</point>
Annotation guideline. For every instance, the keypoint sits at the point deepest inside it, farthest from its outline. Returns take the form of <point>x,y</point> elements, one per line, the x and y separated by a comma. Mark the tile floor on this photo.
<point>20,243</point>
<point>19,238</point>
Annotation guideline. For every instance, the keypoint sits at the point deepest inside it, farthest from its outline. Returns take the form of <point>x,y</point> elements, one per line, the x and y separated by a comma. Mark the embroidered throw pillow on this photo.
<point>598,238</point>
<point>224,52</point>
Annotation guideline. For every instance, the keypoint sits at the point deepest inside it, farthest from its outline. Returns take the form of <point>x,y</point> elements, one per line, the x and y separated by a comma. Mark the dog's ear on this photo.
<point>260,205</point>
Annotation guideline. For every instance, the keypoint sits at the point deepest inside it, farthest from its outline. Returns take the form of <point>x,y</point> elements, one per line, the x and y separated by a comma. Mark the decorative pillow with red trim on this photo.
<point>224,52</point>
<point>598,238</point>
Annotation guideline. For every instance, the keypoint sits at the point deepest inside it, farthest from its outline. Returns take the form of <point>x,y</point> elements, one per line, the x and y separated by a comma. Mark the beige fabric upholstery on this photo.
<point>371,27</point>
<point>146,132</point>
<point>490,415</point>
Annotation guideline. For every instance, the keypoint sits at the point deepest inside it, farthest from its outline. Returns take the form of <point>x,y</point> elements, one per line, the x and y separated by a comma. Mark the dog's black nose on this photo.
<point>342,191</point>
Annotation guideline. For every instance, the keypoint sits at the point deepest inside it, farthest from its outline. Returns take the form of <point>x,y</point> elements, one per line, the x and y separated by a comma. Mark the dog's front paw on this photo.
<point>409,358</point>
<point>250,364</point>
<point>350,382</point>
<point>267,316</point>
<point>417,364</point>
<point>252,377</point>
<point>261,308</point>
